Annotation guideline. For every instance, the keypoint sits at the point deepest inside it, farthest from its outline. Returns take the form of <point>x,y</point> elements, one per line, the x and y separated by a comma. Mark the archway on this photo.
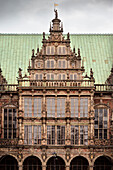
<point>55,163</point>
<point>79,163</point>
<point>8,163</point>
<point>103,163</point>
<point>32,163</point>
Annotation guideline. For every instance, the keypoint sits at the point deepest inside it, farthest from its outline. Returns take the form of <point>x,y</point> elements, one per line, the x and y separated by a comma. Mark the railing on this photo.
<point>8,142</point>
<point>103,87</point>
<point>8,87</point>
<point>56,83</point>
<point>104,142</point>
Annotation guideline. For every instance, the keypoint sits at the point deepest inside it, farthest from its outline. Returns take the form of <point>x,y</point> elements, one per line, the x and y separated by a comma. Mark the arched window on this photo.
<point>101,123</point>
<point>50,50</point>
<point>103,163</point>
<point>9,122</point>
<point>50,63</point>
<point>8,163</point>
<point>38,77</point>
<point>32,163</point>
<point>61,50</point>
<point>55,163</point>
<point>62,63</point>
<point>79,163</point>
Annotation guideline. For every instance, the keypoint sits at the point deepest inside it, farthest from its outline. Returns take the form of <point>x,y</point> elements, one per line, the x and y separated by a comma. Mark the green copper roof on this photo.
<point>96,51</point>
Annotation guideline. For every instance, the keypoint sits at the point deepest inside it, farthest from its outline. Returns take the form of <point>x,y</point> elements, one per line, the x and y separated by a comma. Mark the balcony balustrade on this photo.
<point>8,87</point>
<point>8,142</point>
<point>103,87</point>
<point>56,83</point>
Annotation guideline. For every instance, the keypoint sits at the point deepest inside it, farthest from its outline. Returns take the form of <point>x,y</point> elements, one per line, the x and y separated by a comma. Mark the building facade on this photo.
<point>57,117</point>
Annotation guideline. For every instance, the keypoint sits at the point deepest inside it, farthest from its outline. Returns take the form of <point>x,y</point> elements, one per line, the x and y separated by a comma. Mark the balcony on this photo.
<point>103,87</point>
<point>102,142</point>
<point>56,83</point>
<point>8,142</point>
<point>8,87</point>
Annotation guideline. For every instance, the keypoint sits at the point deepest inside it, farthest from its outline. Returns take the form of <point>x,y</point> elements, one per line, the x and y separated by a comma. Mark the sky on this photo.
<point>78,16</point>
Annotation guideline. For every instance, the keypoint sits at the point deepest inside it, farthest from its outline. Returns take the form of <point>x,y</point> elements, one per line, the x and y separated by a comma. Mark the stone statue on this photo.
<point>20,73</point>
<point>56,13</point>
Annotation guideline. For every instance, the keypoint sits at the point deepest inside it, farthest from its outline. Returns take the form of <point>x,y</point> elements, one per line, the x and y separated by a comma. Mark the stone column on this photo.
<point>44,115</point>
<point>43,167</point>
<point>90,167</point>
<point>67,167</point>
<point>20,167</point>
<point>20,124</point>
<point>92,118</point>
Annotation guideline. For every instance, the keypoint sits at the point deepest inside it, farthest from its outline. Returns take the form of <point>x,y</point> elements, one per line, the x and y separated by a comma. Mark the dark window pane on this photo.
<point>96,133</point>
<point>105,133</point>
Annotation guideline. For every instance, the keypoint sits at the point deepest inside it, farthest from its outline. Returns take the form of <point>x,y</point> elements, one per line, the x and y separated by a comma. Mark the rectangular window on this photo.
<point>101,123</point>
<point>83,107</point>
<point>81,131</point>
<point>59,64</point>
<point>38,77</point>
<point>52,50</point>
<point>52,76</point>
<point>10,123</point>
<point>59,76</point>
<point>37,107</point>
<point>48,50</point>
<point>48,63</point>
<point>75,76</point>
<point>64,50</point>
<point>63,77</point>
<point>32,134</point>
<point>71,76</point>
<point>32,107</point>
<point>60,107</point>
<point>50,107</point>
<point>52,64</point>
<point>63,64</point>
<point>60,135</point>
<point>51,135</point>
<point>74,107</point>
<point>74,135</point>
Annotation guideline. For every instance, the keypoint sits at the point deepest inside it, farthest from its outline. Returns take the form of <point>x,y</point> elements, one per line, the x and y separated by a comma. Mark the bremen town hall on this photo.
<point>56,106</point>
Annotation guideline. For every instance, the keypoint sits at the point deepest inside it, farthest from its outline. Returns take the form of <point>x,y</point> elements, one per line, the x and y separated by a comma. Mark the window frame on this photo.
<point>30,140</point>
<point>81,138</point>
<point>13,134</point>
<point>31,106</point>
<point>103,128</point>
